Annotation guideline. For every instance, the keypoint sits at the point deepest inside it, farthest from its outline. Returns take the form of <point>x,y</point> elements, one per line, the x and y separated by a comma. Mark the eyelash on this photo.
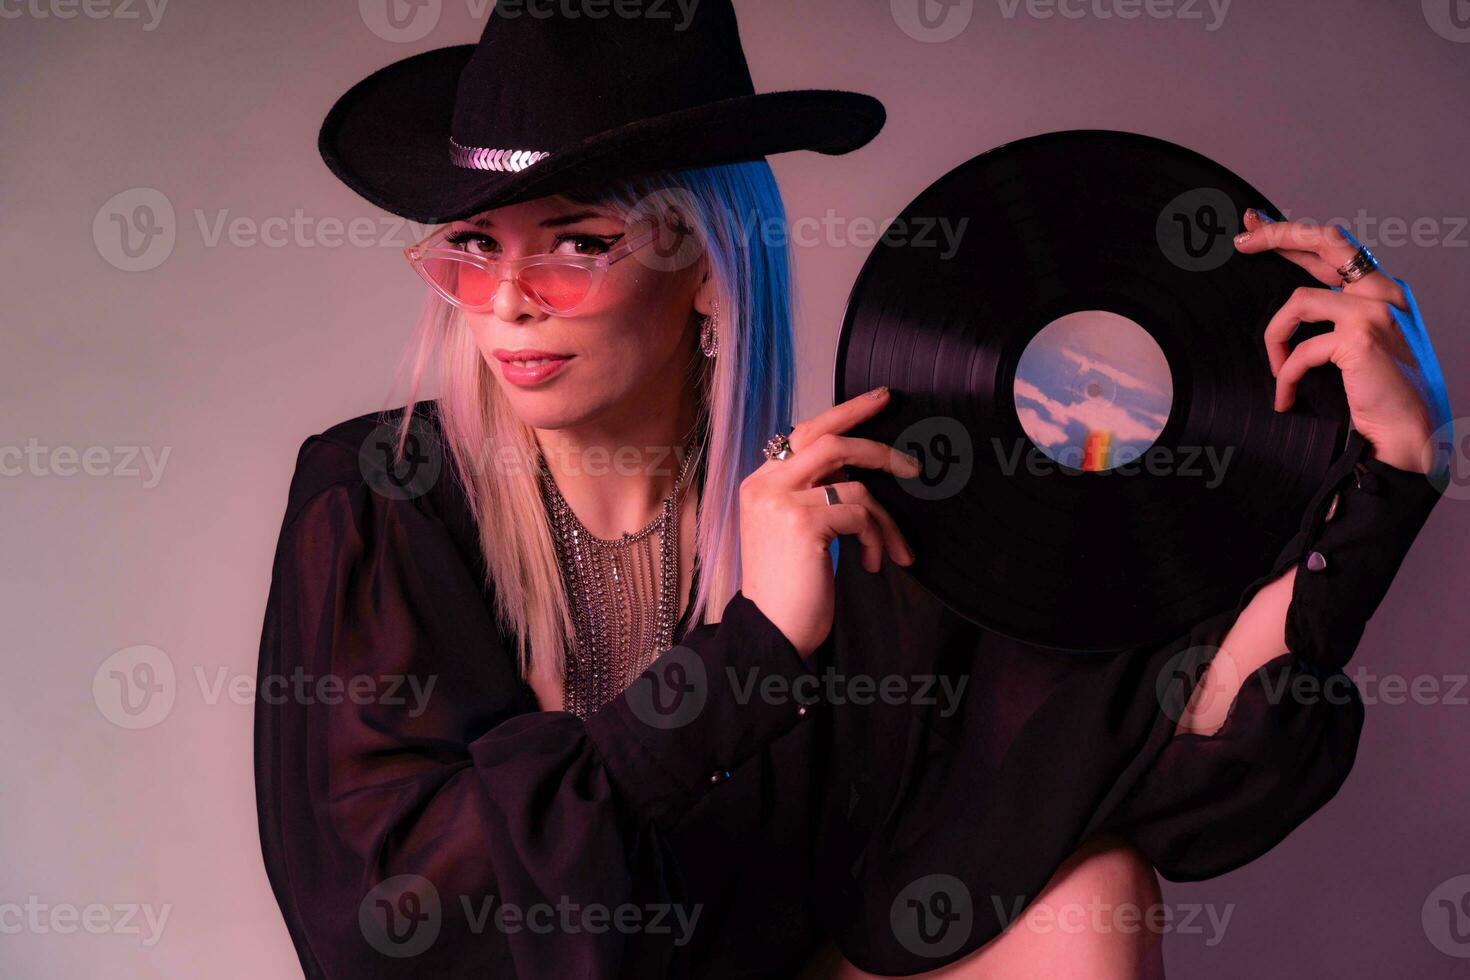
<point>604,242</point>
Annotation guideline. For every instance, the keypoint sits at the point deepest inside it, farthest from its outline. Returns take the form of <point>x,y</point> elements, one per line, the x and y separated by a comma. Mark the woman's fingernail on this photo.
<point>915,462</point>
<point>1242,238</point>
<point>879,391</point>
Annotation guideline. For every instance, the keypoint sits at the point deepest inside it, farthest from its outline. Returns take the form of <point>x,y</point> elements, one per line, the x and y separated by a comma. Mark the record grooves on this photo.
<point>1086,380</point>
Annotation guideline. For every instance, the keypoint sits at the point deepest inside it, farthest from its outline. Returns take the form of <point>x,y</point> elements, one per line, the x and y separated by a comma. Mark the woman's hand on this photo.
<point>787,526</point>
<point>1395,390</point>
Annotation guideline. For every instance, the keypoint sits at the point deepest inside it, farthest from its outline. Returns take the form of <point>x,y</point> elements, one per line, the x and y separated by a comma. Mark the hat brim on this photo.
<point>387,138</point>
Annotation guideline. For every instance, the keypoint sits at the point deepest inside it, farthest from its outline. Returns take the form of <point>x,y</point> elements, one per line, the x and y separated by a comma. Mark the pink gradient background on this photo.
<point>230,355</point>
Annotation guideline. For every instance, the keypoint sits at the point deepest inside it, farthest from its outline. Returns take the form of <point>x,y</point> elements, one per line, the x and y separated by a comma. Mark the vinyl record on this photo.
<point>1078,358</point>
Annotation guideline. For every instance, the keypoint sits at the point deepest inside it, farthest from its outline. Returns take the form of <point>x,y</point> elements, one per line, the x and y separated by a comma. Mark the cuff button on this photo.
<point>1316,562</point>
<point>801,711</point>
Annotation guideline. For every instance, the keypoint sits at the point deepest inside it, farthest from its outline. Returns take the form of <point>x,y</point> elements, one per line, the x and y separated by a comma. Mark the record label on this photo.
<point>1093,390</point>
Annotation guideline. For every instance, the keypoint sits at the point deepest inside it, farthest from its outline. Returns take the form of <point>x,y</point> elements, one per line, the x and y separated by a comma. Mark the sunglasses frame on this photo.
<point>597,265</point>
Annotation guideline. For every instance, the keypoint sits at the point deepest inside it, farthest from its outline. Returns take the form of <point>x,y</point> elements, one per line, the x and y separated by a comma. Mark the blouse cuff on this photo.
<point>1354,536</point>
<point>701,710</point>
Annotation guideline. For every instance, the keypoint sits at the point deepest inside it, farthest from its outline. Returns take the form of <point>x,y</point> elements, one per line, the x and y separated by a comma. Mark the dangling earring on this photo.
<point>709,337</point>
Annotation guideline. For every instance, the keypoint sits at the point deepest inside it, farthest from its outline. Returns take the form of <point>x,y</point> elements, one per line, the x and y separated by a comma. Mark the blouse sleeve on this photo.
<point>417,815</point>
<point>1201,805</point>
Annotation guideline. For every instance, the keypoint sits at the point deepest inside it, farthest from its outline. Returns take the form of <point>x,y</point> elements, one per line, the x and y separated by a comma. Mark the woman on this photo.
<point>460,768</point>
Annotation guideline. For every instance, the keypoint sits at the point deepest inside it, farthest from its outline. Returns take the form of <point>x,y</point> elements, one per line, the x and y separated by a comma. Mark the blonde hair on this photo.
<point>744,393</point>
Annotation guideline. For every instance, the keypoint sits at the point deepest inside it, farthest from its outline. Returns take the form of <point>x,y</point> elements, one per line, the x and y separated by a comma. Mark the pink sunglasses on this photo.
<point>555,282</point>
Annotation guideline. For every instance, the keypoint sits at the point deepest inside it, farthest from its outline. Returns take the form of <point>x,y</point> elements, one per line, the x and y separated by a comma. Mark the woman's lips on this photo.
<point>531,374</point>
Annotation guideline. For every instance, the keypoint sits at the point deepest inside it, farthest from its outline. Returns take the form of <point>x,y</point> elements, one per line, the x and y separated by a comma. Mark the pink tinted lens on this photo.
<point>469,284</point>
<point>558,287</point>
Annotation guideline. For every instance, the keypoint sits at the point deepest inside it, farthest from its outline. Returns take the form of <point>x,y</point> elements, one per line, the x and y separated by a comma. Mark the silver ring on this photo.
<point>778,447</point>
<point>1362,263</point>
<point>831,494</point>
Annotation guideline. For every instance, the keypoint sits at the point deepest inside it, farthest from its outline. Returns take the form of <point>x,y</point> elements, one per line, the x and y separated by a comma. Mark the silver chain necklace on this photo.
<point>609,584</point>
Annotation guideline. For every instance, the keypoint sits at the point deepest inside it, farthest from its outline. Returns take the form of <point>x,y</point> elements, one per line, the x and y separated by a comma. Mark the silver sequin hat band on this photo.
<point>490,158</point>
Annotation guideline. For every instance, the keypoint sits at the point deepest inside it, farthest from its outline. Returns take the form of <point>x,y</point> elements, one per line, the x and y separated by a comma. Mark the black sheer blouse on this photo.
<point>914,782</point>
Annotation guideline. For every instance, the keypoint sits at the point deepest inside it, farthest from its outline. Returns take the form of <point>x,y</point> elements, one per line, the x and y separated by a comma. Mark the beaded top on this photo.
<point>624,616</point>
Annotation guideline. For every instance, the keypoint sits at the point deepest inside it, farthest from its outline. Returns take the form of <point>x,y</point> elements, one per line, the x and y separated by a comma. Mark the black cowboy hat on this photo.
<point>554,97</point>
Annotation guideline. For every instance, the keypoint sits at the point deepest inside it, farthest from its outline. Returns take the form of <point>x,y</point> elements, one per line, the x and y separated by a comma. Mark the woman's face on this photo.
<point>627,347</point>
